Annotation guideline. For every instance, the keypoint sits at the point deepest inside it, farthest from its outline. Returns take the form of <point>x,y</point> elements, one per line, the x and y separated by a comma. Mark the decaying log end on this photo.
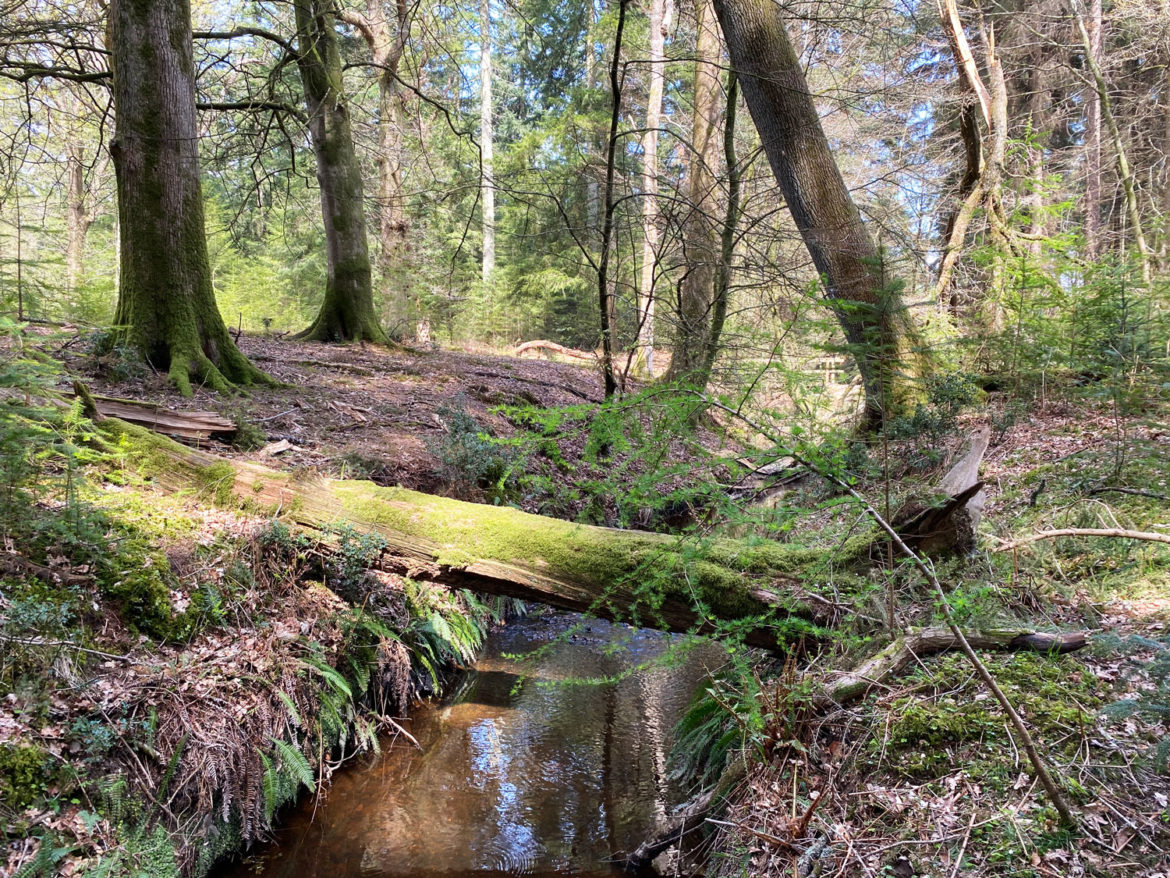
<point>1058,643</point>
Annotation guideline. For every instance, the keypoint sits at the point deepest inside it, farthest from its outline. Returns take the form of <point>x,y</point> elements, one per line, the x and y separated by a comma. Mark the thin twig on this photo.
<point>39,641</point>
<point>1115,532</point>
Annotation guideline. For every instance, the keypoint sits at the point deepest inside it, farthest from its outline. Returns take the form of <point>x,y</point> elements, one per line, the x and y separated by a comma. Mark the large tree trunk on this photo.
<point>700,228</point>
<point>347,313</point>
<point>651,580</point>
<point>386,44</point>
<point>644,359</point>
<point>875,323</point>
<point>166,306</point>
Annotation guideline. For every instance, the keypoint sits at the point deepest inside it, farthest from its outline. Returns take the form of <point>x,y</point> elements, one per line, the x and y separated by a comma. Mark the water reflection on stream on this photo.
<point>515,776</point>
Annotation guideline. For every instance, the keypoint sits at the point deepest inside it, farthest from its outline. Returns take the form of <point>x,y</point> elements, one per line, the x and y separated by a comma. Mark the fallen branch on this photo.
<point>1114,532</point>
<point>905,650</point>
<point>543,345</point>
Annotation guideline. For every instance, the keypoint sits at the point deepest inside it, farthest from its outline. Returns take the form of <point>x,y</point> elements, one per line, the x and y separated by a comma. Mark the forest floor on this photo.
<point>190,683</point>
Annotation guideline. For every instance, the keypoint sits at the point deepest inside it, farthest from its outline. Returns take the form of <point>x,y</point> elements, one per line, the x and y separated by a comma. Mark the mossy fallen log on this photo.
<point>905,650</point>
<point>646,579</point>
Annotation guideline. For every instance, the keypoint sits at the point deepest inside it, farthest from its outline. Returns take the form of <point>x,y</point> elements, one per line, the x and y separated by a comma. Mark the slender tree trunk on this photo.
<point>166,306</point>
<point>700,228</point>
<point>78,218</point>
<point>604,293</point>
<point>592,185</point>
<point>487,152</point>
<point>875,323</point>
<point>644,360</point>
<point>1092,204</point>
<point>724,270</point>
<point>347,313</point>
<point>1129,188</point>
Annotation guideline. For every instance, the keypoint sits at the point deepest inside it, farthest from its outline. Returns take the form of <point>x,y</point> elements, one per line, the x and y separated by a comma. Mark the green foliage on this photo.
<point>28,774</point>
<point>740,711</point>
<point>934,422</point>
<point>470,456</point>
<point>1147,668</point>
<point>929,735</point>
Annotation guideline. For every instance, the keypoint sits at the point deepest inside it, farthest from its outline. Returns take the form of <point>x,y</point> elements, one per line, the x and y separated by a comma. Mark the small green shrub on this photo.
<point>470,455</point>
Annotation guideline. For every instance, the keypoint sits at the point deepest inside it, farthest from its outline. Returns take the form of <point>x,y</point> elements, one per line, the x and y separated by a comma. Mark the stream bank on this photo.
<point>555,764</point>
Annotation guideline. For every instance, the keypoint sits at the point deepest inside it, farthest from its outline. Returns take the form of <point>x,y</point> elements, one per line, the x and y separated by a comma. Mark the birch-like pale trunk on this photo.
<point>656,72</point>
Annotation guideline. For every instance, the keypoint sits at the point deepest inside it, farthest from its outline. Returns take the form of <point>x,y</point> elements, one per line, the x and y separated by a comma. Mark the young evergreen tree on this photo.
<point>166,305</point>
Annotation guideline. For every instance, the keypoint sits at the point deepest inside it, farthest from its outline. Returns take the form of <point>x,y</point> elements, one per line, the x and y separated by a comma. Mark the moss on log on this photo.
<point>646,579</point>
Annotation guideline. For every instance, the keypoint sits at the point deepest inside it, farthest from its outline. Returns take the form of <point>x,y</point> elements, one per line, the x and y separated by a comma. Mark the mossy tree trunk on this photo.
<point>347,313</point>
<point>387,39</point>
<point>871,314</point>
<point>166,306</point>
<point>651,580</point>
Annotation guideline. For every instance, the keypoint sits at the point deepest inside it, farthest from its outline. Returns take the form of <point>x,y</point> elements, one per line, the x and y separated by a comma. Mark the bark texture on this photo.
<point>875,324</point>
<point>347,312</point>
<point>647,579</point>
<point>486,144</point>
<point>166,306</point>
<point>386,41</point>
<point>696,290</point>
<point>644,359</point>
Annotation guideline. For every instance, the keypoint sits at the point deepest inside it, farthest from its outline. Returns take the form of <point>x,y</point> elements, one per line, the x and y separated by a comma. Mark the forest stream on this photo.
<point>529,767</point>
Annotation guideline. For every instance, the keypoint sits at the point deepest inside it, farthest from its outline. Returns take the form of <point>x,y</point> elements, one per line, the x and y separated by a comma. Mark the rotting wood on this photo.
<point>646,579</point>
<point>184,424</point>
<point>544,345</point>
<point>949,527</point>
<point>905,650</point>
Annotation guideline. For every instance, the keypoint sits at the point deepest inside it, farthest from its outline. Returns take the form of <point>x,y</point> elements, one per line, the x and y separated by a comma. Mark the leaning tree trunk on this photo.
<point>166,305</point>
<point>875,323</point>
<point>700,227</point>
<point>347,313</point>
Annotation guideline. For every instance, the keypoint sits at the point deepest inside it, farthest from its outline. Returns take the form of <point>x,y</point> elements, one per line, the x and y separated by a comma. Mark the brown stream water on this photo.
<point>521,771</point>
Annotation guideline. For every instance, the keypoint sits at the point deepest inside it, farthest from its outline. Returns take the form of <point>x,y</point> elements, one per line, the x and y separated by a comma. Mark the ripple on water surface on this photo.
<point>521,772</point>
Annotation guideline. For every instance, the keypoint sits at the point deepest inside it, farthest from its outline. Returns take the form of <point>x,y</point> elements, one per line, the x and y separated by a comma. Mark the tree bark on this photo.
<point>644,358</point>
<point>347,312</point>
<point>387,44</point>
<point>605,294</point>
<point>647,579</point>
<point>724,270</point>
<point>875,323</point>
<point>166,306</point>
<point>486,147</point>
<point>1092,203</point>
<point>700,228</point>
<point>78,218</point>
<point>1129,188</point>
